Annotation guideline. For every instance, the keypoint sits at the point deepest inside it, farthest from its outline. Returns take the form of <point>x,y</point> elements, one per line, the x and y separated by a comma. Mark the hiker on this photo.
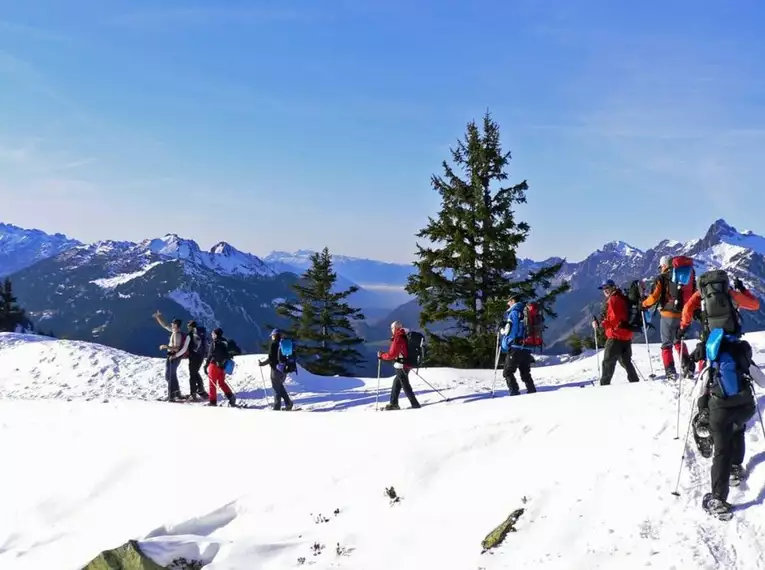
<point>198,350</point>
<point>727,402</point>
<point>671,296</point>
<point>618,337</point>
<point>399,353</point>
<point>217,356</point>
<point>176,349</point>
<point>517,354</point>
<point>278,376</point>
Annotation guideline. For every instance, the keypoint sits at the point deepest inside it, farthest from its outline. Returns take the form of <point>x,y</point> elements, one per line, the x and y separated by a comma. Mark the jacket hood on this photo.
<point>516,307</point>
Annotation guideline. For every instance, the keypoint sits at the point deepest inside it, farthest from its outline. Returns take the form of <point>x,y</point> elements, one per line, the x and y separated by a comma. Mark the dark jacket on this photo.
<point>217,352</point>
<point>273,354</point>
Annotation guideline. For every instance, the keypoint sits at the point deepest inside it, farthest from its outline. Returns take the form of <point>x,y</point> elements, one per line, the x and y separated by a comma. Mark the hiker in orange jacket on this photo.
<point>669,297</point>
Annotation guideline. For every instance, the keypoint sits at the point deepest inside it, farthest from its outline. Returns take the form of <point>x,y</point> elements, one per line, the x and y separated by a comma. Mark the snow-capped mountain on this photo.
<point>108,291</point>
<point>742,254</point>
<point>20,248</point>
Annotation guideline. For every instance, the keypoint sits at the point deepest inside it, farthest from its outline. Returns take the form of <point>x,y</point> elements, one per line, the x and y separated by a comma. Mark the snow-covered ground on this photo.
<point>593,468</point>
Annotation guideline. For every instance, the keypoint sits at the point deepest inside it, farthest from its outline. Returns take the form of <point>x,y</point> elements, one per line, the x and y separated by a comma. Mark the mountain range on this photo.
<point>107,291</point>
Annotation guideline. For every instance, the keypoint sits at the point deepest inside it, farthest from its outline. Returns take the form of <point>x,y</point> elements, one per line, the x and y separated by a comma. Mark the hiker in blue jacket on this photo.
<point>278,376</point>
<point>517,354</point>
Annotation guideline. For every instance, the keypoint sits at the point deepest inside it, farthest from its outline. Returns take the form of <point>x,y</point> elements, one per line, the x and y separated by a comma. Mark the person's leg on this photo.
<point>407,386</point>
<point>212,374</point>
<point>721,427</point>
<point>524,367</point>
<point>395,391</point>
<point>625,359</point>
<point>508,371</point>
<point>610,356</point>
<point>174,386</point>
<point>668,334</point>
<point>277,381</point>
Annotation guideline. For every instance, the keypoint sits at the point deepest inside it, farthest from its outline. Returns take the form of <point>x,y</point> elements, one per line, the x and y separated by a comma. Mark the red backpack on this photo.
<point>534,324</point>
<point>681,282</point>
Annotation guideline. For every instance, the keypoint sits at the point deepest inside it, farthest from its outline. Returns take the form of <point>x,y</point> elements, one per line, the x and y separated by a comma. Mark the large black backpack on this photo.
<point>415,347</point>
<point>717,304</point>
<point>633,294</point>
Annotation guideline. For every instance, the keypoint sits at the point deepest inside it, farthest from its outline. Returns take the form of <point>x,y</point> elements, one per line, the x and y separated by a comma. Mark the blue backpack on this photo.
<point>287,360</point>
<point>728,372</point>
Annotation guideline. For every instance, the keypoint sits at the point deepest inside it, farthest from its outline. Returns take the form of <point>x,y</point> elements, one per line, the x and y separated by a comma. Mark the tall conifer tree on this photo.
<point>465,277</point>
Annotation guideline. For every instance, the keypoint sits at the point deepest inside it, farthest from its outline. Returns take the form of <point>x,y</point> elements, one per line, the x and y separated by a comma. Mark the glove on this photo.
<point>262,362</point>
<point>594,324</point>
<point>681,332</point>
<point>739,285</point>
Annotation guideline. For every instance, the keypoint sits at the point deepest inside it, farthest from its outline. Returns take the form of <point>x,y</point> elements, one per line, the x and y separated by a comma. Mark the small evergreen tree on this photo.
<point>321,321</point>
<point>466,277</point>
<point>575,344</point>
<point>11,315</point>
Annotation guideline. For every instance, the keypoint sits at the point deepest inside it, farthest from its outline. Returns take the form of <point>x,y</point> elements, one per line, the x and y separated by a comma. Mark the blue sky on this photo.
<point>299,124</point>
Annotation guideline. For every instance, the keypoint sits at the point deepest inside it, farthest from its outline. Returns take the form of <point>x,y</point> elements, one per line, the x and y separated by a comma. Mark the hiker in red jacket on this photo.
<point>398,353</point>
<point>618,337</point>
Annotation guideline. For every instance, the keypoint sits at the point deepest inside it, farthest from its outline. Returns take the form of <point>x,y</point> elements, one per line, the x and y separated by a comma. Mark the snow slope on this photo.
<point>593,467</point>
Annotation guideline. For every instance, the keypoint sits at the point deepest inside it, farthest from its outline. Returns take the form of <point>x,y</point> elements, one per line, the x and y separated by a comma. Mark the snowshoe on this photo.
<point>717,507</point>
<point>701,423</point>
<point>704,443</point>
<point>737,474</point>
<point>391,407</point>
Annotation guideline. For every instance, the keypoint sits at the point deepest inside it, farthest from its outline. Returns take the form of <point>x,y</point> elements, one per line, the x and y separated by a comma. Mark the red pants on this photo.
<point>666,354</point>
<point>217,378</point>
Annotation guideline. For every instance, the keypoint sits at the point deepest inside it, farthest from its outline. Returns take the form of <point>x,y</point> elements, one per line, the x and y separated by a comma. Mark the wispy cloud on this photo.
<point>210,14</point>
<point>79,163</point>
<point>33,32</point>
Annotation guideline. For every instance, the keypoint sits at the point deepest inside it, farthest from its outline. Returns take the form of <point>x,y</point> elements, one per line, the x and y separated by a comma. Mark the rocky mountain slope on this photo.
<point>108,291</point>
<point>21,248</point>
<point>742,254</point>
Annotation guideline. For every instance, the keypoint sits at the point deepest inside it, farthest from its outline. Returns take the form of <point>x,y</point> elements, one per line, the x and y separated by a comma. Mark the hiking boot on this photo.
<point>688,373</point>
<point>204,395</point>
<point>702,423</point>
<point>289,406</point>
<point>736,475</point>
<point>232,401</point>
<point>212,403</point>
<point>530,388</point>
<point>390,407</point>
<point>716,506</point>
<point>416,406</point>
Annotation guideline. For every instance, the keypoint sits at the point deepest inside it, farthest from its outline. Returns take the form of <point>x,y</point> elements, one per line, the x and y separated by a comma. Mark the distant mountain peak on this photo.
<point>224,248</point>
<point>720,228</point>
<point>622,248</point>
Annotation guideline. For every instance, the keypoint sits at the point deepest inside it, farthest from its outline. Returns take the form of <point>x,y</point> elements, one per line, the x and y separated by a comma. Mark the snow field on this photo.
<point>593,467</point>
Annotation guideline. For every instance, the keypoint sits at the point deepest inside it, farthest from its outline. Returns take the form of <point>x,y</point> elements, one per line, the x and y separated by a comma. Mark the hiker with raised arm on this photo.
<point>177,348</point>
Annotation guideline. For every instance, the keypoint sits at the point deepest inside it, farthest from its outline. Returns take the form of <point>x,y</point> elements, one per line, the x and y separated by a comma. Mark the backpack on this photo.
<point>680,283</point>
<point>717,306</point>
<point>233,348</point>
<point>632,294</point>
<point>730,360</point>
<point>287,358</point>
<point>183,341</point>
<point>199,342</point>
<point>415,349</point>
<point>533,324</point>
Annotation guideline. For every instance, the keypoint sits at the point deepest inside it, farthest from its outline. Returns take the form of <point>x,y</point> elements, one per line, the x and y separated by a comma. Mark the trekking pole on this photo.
<point>647,348</point>
<point>679,397</point>
<point>265,394</point>
<point>757,405</point>
<point>496,366</point>
<point>685,445</point>
<point>597,352</point>
<point>638,370</point>
<point>431,385</point>
<point>377,397</point>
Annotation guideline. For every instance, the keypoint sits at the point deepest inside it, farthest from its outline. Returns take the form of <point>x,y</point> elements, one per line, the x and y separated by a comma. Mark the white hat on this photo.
<point>666,261</point>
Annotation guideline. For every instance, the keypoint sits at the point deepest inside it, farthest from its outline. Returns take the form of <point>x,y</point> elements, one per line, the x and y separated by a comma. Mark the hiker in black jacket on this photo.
<point>198,350</point>
<point>277,373</point>
<point>217,356</point>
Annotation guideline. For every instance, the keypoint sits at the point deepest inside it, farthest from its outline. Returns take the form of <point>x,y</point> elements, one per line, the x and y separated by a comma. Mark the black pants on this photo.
<point>520,360</point>
<point>195,378</point>
<point>401,380</point>
<point>280,392</point>
<point>171,375</point>
<point>727,426</point>
<point>617,351</point>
